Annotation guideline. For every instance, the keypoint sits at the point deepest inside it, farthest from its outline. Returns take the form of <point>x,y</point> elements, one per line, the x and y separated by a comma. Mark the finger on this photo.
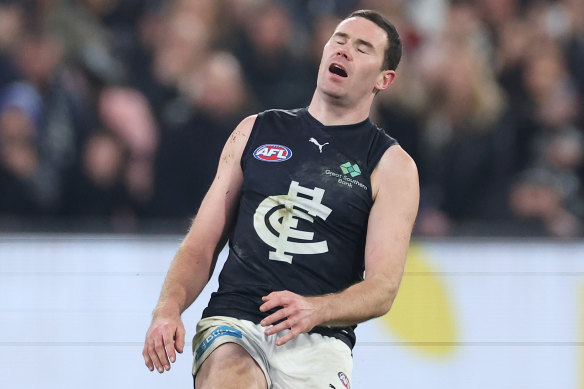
<point>161,353</point>
<point>274,317</point>
<point>286,338</point>
<point>286,324</point>
<point>169,347</point>
<point>283,295</point>
<point>272,302</point>
<point>271,296</point>
<point>154,357</point>
<point>147,359</point>
<point>268,297</point>
<point>269,304</point>
<point>179,343</point>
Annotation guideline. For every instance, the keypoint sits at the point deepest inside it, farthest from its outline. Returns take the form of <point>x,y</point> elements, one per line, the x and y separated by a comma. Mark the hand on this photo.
<point>166,333</point>
<point>301,314</point>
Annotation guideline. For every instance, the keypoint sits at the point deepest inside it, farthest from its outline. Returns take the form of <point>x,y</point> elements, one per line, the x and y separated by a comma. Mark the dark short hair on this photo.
<point>393,52</point>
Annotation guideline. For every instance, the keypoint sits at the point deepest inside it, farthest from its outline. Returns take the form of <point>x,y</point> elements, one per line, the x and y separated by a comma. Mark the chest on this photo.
<point>312,171</point>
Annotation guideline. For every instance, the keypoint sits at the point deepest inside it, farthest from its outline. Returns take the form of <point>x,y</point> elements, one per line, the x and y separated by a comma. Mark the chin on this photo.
<point>332,92</point>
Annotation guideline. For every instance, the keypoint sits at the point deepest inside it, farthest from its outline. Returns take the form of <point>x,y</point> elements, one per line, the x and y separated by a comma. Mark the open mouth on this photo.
<point>338,70</point>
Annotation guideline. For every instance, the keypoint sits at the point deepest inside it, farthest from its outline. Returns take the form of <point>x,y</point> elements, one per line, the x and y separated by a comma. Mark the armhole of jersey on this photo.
<point>250,141</point>
<point>383,143</point>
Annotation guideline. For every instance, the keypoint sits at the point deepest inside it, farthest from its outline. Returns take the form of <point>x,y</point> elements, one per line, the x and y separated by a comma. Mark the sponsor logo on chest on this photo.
<point>272,153</point>
<point>349,170</point>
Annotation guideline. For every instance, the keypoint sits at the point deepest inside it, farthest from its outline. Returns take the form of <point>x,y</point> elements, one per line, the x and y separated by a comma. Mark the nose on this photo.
<point>345,54</point>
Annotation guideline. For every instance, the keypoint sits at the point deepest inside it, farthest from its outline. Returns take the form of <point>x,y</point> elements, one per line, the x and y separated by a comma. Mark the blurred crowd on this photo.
<point>115,111</point>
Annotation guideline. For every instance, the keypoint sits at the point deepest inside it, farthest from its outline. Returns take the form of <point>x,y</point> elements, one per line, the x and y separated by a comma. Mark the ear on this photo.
<point>385,79</point>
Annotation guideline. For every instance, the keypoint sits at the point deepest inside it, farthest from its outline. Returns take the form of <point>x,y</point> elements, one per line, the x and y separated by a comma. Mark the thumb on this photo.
<point>179,342</point>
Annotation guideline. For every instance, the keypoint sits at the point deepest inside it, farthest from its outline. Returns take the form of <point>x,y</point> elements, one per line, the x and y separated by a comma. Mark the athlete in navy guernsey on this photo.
<point>318,205</point>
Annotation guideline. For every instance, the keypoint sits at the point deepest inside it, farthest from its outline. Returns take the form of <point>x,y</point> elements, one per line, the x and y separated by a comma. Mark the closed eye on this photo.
<point>340,37</point>
<point>364,47</point>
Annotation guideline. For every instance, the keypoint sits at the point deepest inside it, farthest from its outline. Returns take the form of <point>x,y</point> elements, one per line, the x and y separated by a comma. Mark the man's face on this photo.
<point>350,67</point>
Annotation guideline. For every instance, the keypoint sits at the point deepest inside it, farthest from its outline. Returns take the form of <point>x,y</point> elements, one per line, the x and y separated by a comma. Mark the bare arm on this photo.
<point>396,196</point>
<point>195,259</point>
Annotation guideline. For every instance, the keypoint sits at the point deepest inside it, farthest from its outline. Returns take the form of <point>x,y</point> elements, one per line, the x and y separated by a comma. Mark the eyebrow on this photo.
<point>359,41</point>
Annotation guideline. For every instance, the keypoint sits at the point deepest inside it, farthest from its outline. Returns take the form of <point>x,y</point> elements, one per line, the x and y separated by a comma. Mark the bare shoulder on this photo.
<point>237,141</point>
<point>243,130</point>
<point>395,167</point>
<point>246,125</point>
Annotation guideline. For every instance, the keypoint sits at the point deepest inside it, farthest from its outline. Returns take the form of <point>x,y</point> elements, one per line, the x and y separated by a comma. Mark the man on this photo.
<point>318,205</point>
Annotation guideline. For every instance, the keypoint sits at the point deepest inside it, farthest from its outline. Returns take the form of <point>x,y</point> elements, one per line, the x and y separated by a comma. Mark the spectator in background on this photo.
<point>400,109</point>
<point>24,188</point>
<point>114,177</point>
<point>12,20</point>
<point>188,154</point>
<point>519,61</point>
<point>182,50</point>
<point>40,58</point>
<point>539,198</point>
<point>172,48</point>
<point>551,91</point>
<point>87,42</point>
<point>465,131</point>
<point>549,120</point>
<point>97,192</point>
<point>277,75</point>
<point>127,114</point>
<point>572,40</point>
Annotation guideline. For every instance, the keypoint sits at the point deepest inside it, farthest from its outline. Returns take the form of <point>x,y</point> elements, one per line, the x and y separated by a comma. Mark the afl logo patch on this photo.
<point>272,153</point>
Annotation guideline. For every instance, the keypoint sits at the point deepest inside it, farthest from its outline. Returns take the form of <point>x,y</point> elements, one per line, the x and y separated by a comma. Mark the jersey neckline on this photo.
<point>365,123</point>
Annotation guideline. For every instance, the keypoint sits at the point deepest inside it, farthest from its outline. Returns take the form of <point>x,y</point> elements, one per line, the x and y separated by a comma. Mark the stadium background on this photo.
<point>112,117</point>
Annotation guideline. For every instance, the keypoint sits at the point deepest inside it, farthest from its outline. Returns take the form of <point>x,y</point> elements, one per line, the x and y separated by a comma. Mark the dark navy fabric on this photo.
<point>302,219</point>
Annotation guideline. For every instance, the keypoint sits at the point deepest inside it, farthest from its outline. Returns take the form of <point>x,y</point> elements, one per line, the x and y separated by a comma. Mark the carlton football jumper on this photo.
<point>302,219</point>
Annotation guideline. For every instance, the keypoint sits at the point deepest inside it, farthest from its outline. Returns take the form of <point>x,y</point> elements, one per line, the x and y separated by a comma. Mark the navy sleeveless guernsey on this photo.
<point>302,219</point>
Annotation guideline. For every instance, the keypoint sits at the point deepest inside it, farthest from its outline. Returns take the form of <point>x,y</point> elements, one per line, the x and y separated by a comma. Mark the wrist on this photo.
<point>166,308</point>
<point>322,308</point>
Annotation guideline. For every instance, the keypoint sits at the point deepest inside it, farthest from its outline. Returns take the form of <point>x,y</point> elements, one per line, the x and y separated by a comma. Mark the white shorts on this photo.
<point>307,361</point>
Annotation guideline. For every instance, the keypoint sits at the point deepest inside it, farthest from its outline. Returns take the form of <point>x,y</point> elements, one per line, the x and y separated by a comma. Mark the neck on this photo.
<point>332,113</point>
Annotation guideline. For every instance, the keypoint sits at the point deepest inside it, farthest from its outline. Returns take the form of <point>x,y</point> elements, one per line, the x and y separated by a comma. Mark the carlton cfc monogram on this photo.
<point>282,213</point>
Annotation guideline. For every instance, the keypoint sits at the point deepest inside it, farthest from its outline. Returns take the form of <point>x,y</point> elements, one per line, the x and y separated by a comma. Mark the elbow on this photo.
<point>384,308</point>
<point>388,298</point>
